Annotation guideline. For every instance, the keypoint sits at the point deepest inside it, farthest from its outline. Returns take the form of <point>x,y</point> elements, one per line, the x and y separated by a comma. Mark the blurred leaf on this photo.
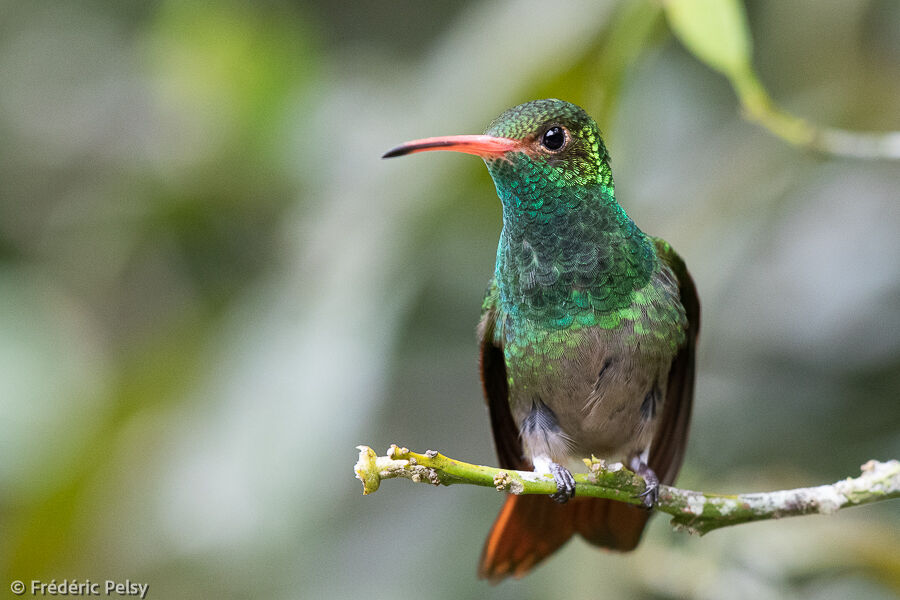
<point>231,69</point>
<point>715,31</point>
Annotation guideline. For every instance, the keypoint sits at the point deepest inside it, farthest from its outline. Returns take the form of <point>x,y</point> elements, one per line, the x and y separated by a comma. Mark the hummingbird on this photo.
<point>587,335</point>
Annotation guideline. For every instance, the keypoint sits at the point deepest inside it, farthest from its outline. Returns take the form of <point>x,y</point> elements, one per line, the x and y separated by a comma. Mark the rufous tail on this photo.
<point>530,528</point>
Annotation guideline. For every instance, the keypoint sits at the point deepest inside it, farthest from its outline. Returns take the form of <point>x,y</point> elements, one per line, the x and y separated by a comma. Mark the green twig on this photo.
<point>759,107</point>
<point>697,512</point>
<point>717,33</point>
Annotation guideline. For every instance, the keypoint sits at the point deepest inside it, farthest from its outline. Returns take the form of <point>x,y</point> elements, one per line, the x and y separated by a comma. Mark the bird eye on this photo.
<point>554,138</point>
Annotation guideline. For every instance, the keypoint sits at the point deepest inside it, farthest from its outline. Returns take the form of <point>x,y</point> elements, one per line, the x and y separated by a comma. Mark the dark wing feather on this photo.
<point>529,528</point>
<point>670,441</point>
<point>496,389</point>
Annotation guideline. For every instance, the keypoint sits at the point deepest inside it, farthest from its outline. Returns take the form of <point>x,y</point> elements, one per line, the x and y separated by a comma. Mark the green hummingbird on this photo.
<point>587,335</point>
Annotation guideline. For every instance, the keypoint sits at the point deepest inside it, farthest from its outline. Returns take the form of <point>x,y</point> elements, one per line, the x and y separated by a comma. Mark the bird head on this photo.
<point>531,146</point>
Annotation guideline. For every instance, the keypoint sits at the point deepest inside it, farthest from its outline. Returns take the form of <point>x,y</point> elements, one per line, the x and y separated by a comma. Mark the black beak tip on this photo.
<point>398,151</point>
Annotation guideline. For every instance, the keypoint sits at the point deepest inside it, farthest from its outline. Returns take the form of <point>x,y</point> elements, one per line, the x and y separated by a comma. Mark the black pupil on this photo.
<point>554,138</point>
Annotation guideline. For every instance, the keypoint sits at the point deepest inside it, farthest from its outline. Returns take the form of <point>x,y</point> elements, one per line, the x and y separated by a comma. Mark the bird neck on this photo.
<point>567,251</point>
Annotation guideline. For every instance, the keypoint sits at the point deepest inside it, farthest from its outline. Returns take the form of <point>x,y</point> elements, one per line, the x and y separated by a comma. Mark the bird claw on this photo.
<point>650,495</point>
<point>565,483</point>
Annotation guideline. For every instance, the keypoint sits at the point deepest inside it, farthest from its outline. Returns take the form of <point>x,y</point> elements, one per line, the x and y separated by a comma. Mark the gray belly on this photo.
<point>603,398</point>
<point>578,392</point>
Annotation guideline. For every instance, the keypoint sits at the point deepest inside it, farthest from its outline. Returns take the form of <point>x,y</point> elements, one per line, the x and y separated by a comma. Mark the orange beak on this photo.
<point>485,146</point>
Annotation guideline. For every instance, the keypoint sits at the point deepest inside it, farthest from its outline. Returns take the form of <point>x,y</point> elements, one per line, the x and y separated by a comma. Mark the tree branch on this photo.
<point>717,34</point>
<point>696,512</point>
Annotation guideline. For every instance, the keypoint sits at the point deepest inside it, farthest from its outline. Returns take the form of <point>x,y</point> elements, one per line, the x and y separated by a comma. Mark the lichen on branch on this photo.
<point>697,512</point>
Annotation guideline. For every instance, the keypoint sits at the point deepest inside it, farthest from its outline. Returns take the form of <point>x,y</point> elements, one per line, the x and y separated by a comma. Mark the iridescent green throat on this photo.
<point>569,256</point>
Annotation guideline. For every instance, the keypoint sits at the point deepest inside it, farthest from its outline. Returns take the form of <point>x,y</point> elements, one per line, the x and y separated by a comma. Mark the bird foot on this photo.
<point>565,483</point>
<point>650,495</point>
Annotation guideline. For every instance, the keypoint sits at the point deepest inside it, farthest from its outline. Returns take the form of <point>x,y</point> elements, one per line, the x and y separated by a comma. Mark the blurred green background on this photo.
<point>212,289</point>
